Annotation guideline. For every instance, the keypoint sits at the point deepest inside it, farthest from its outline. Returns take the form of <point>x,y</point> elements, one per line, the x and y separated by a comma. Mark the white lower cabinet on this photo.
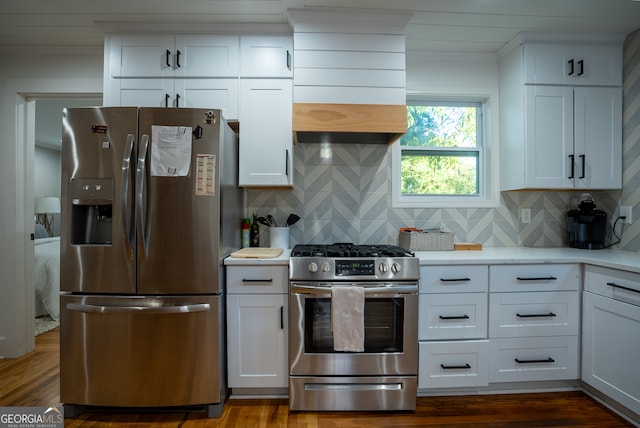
<point>453,364</point>
<point>257,326</point>
<point>534,359</point>
<point>611,334</point>
<point>534,322</point>
<point>452,329</point>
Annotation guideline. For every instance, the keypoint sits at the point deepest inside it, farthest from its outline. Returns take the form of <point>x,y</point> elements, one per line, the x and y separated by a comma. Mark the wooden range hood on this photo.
<point>348,123</point>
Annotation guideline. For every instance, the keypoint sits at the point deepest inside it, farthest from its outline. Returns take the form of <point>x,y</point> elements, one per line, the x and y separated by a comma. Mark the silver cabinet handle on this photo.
<point>147,310</point>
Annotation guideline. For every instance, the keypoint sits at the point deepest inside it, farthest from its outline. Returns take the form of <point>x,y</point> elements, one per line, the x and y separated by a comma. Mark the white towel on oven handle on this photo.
<point>347,318</point>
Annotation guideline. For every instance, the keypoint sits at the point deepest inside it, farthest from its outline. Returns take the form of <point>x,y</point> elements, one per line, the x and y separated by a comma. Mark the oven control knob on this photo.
<point>395,268</point>
<point>383,267</point>
<point>325,267</point>
<point>313,267</point>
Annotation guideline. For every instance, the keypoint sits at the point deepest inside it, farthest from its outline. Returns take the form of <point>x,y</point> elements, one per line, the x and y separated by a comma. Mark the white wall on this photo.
<point>24,77</point>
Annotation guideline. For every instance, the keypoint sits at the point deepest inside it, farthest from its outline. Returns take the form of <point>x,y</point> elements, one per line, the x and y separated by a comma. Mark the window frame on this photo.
<point>488,173</point>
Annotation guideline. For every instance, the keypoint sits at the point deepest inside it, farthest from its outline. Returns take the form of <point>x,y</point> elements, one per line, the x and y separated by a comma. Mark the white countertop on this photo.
<point>625,260</point>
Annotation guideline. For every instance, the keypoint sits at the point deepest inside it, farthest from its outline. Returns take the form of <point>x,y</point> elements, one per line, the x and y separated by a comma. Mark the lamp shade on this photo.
<point>48,205</point>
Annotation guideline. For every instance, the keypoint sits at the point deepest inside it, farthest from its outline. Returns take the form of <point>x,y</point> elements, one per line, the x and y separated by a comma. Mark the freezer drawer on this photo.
<point>140,351</point>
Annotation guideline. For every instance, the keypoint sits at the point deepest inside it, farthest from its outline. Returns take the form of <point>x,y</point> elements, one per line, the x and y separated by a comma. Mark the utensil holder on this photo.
<point>279,237</point>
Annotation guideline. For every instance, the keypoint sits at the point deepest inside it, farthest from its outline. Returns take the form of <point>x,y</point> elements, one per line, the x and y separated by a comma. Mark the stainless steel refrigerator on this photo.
<point>150,208</point>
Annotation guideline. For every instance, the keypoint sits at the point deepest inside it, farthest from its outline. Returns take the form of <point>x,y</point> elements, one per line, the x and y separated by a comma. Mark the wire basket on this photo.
<point>421,240</point>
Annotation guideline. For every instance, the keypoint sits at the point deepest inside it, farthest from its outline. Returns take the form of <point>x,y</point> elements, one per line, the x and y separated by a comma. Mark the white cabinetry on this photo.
<point>611,334</point>
<point>257,327</point>
<point>573,64</point>
<point>266,141</point>
<point>534,322</point>
<point>266,56</point>
<point>452,329</point>
<point>172,71</point>
<point>266,97</point>
<point>561,132</point>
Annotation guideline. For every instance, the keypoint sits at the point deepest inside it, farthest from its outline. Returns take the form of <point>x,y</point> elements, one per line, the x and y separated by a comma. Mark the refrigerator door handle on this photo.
<point>142,225</point>
<point>147,310</point>
<point>126,210</point>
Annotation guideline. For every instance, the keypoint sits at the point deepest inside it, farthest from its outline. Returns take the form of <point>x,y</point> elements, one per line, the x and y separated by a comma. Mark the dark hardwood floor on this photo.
<point>33,380</point>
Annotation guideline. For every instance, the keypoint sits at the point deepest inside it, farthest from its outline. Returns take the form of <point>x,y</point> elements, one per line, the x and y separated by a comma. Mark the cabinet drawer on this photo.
<point>534,314</point>
<point>453,364</point>
<point>257,279</point>
<point>454,279</point>
<point>535,277</point>
<point>534,358</point>
<point>616,284</point>
<point>452,316</point>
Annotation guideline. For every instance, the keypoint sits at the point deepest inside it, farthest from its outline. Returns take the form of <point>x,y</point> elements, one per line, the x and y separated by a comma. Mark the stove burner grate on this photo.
<point>349,250</point>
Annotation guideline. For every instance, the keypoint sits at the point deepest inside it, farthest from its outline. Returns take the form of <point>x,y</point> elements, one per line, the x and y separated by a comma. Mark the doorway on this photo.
<point>47,132</point>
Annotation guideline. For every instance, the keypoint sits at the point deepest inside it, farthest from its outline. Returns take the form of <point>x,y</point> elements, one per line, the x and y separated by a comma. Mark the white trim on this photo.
<point>490,193</point>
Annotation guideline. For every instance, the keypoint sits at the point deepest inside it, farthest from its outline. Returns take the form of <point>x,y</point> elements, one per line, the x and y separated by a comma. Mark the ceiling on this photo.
<point>450,26</point>
<point>478,26</point>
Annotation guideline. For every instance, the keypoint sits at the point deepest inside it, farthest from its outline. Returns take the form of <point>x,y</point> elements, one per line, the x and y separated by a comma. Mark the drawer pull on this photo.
<point>252,281</point>
<point>550,314</point>
<point>537,278</point>
<point>613,284</point>
<point>455,279</point>
<point>546,360</point>
<point>454,317</point>
<point>466,366</point>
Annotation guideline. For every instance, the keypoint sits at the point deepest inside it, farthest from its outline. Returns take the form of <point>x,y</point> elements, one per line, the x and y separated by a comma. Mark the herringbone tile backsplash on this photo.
<point>343,194</point>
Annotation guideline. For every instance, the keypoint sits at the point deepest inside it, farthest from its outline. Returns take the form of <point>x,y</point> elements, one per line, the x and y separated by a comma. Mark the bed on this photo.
<point>47,274</point>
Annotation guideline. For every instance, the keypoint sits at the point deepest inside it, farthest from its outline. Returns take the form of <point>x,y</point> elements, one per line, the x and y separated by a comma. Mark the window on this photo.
<point>442,160</point>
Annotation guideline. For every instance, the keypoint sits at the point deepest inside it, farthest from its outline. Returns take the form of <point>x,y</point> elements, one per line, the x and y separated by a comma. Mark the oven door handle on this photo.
<point>383,289</point>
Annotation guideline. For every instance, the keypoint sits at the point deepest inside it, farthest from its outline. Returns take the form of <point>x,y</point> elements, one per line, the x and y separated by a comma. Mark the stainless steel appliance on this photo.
<point>383,376</point>
<point>150,208</point>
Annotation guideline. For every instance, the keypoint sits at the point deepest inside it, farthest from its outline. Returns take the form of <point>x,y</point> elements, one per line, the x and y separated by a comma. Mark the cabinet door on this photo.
<point>141,56</point>
<point>598,138</point>
<point>266,56</point>
<point>602,65</point>
<point>534,314</point>
<point>453,364</point>
<point>209,93</point>
<point>266,142</point>
<point>452,316</point>
<point>142,92</point>
<point>546,63</point>
<point>573,64</point>
<point>611,348</point>
<point>533,359</point>
<point>549,137</point>
<point>257,340</point>
<point>206,56</point>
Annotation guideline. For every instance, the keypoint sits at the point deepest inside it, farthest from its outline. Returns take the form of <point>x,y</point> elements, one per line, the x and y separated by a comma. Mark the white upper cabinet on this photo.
<point>169,56</point>
<point>557,130</point>
<point>266,56</point>
<point>172,71</point>
<point>266,140</point>
<point>573,64</point>
<point>573,137</point>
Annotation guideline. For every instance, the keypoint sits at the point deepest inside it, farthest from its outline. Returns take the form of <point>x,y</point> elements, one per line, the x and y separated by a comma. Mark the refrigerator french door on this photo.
<point>150,210</point>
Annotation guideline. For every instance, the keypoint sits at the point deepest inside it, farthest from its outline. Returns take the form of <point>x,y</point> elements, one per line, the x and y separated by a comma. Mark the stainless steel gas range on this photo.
<point>353,313</point>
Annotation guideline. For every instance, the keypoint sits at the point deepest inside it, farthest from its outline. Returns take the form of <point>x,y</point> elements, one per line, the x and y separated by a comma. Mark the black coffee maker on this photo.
<point>587,225</point>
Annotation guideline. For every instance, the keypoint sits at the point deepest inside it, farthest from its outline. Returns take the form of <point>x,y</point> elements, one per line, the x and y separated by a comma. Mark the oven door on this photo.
<point>390,326</point>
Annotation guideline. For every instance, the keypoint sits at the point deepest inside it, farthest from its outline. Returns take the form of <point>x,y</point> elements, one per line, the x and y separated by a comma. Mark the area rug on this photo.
<point>45,323</point>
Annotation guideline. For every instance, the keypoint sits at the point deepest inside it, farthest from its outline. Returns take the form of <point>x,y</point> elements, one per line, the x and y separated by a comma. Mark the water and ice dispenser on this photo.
<point>91,211</point>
